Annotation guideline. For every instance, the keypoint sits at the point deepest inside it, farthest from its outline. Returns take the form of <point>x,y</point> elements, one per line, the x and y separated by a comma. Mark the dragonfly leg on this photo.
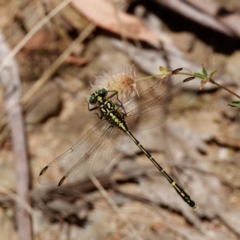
<point>92,109</point>
<point>99,115</point>
<point>120,104</point>
<point>113,94</point>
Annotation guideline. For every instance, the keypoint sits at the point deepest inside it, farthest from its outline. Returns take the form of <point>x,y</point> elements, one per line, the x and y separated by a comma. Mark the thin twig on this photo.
<point>48,73</point>
<point>115,207</point>
<point>219,85</point>
<point>10,80</point>
<point>21,44</point>
<point>53,68</point>
<point>16,198</point>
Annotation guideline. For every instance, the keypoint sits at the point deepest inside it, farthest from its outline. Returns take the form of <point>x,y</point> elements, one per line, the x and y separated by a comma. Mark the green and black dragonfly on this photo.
<point>94,151</point>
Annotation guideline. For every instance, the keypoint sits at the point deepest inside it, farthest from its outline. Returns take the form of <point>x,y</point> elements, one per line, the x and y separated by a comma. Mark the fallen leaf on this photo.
<point>103,14</point>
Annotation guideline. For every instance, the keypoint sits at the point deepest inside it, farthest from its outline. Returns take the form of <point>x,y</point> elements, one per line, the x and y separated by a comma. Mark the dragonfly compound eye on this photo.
<point>102,92</point>
<point>93,99</point>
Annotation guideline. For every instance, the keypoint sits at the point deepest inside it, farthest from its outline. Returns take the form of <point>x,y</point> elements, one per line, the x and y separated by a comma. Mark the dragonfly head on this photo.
<point>101,92</point>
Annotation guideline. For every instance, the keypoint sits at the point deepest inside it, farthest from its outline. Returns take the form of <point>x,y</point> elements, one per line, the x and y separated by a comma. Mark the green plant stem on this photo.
<point>161,74</point>
<point>145,78</point>
<point>187,74</point>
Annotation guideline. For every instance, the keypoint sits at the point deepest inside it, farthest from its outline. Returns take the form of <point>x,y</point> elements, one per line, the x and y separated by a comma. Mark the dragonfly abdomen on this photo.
<point>178,189</point>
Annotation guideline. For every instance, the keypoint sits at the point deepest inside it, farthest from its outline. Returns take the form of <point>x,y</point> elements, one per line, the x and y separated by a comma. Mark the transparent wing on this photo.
<point>149,108</point>
<point>90,154</point>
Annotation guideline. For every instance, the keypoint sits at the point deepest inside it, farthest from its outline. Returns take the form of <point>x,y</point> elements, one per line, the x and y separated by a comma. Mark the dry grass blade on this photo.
<point>31,33</point>
<point>45,77</point>
<point>22,43</point>
<point>115,207</point>
<point>16,198</point>
<point>47,74</point>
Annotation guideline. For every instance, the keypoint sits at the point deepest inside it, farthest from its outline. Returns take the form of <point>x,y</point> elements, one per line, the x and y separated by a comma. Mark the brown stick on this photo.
<point>212,8</point>
<point>196,15</point>
<point>9,77</point>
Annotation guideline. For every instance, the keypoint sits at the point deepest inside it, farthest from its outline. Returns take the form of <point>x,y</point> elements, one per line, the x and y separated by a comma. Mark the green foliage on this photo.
<point>204,75</point>
<point>235,104</point>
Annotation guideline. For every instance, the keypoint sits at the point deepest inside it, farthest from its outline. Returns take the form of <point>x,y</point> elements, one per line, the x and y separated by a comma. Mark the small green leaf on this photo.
<point>163,69</point>
<point>204,71</point>
<point>212,73</point>
<point>199,75</point>
<point>235,104</point>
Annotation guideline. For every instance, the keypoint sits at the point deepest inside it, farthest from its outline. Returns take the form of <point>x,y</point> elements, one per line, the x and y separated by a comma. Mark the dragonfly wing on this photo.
<point>98,158</point>
<point>150,93</point>
<point>151,107</point>
<point>90,154</point>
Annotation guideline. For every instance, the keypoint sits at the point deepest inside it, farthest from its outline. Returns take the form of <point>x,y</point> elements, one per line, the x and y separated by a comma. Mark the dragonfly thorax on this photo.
<point>109,110</point>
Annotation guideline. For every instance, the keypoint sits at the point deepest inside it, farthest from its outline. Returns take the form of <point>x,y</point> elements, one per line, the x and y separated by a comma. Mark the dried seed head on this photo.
<point>121,80</point>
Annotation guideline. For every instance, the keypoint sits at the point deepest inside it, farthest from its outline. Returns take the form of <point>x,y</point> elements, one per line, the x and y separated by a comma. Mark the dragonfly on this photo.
<point>94,151</point>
